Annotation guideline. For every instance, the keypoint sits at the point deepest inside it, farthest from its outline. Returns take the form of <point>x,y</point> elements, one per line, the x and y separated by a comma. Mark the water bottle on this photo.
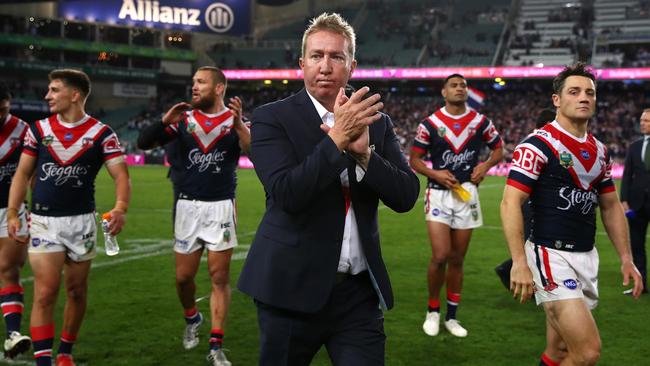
<point>110,241</point>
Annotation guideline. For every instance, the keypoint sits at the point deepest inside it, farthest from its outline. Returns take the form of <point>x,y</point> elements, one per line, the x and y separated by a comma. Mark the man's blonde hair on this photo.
<point>332,23</point>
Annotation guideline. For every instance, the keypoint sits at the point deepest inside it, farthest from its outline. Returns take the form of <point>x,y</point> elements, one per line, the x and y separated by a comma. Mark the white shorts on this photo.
<point>563,275</point>
<point>23,215</point>
<point>204,223</point>
<point>442,205</point>
<point>75,235</point>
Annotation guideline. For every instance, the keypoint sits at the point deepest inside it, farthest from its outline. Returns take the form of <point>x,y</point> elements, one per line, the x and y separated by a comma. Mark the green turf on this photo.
<point>134,317</point>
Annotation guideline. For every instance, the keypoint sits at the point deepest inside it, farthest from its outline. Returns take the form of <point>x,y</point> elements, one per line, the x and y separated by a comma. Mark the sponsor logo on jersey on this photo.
<point>67,136</point>
<point>203,162</point>
<point>62,174</point>
<point>585,154</point>
<point>435,212</point>
<point>571,284</point>
<point>36,242</point>
<point>566,160</point>
<point>456,126</point>
<point>7,171</point>
<point>584,201</point>
<point>454,161</point>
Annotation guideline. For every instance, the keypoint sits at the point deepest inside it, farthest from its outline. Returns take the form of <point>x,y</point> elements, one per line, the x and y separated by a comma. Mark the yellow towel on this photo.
<point>461,192</point>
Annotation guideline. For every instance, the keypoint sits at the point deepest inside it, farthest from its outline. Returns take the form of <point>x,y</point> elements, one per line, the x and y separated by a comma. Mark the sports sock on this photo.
<point>192,316</point>
<point>42,340</point>
<point>546,361</point>
<point>67,341</point>
<point>216,339</point>
<point>452,304</point>
<point>12,307</point>
<point>434,305</point>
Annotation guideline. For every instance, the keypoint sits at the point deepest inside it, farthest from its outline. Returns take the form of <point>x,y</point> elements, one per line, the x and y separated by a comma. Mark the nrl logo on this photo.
<point>191,127</point>
<point>566,160</point>
<point>442,131</point>
<point>47,140</point>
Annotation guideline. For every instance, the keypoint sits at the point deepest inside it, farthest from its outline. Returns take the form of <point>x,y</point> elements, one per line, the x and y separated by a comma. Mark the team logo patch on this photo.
<point>571,284</point>
<point>224,130</point>
<point>435,212</point>
<point>226,236</point>
<point>566,160</point>
<point>67,136</point>
<point>47,140</point>
<point>86,141</point>
<point>475,215</point>
<point>191,127</point>
<point>15,141</point>
<point>585,154</point>
<point>442,131</point>
<point>558,244</point>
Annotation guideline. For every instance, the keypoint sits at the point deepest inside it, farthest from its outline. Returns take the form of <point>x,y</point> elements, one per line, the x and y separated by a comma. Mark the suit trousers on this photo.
<point>350,326</point>
<point>638,231</point>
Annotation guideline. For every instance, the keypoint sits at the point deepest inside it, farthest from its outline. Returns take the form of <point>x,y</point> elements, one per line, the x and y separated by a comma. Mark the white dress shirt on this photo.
<point>352,259</point>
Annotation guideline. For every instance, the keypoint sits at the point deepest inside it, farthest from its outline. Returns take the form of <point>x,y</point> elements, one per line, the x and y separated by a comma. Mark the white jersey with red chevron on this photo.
<point>69,156</point>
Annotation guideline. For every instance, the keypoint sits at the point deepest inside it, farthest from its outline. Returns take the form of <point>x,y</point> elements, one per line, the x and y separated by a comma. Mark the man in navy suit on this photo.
<point>635,195</point>
<point>325,159</point>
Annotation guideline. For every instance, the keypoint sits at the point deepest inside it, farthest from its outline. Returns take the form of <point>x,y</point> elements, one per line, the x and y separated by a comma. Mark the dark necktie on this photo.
<point>646,157</point>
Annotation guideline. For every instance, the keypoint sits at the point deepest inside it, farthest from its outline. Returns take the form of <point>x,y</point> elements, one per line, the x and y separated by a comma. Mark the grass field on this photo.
<point>134,317</point>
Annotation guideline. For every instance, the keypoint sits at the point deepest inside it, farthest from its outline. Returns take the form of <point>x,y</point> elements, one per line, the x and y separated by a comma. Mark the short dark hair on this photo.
<point>452,76</point>
<point>76,79</point>
<point>577,69</point>
<point>5,94</point>
<point>545,116</point>
<point>217,74</point>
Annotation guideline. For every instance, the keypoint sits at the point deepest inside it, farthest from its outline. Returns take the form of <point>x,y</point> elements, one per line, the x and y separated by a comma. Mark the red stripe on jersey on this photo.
<point>6,131</point>
<point>69,135</point>
<point>547,268</point>
<point>418,150</point>
<point>520,186</point>
<point>42,332</point>
<point>607,189</point>
<point>12,309</point>
<point>210,123</point>
<point>463,121</point>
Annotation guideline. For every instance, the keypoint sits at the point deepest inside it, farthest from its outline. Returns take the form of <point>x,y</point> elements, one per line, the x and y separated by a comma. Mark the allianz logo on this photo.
<point>219,17</point>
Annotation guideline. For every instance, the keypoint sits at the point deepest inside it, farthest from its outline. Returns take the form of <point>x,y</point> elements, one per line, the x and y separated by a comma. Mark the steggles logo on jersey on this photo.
<point>454,161</point>
<point>584,200</point>
<point>7,171</point>
<point>204,161</point>
<point>61,175</point>
<point>566,160</point>
<point>47,140</point>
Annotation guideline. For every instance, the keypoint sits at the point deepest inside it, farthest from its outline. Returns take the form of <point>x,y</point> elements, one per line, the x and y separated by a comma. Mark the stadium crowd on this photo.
<point>513,110</point>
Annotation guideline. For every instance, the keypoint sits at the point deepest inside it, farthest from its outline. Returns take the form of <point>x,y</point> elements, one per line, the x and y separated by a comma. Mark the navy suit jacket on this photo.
<point>293,260</point>
<point>635,185</point>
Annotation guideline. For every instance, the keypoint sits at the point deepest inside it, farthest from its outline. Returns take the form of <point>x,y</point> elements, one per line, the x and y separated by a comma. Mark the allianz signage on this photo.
<point>231,17</point>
